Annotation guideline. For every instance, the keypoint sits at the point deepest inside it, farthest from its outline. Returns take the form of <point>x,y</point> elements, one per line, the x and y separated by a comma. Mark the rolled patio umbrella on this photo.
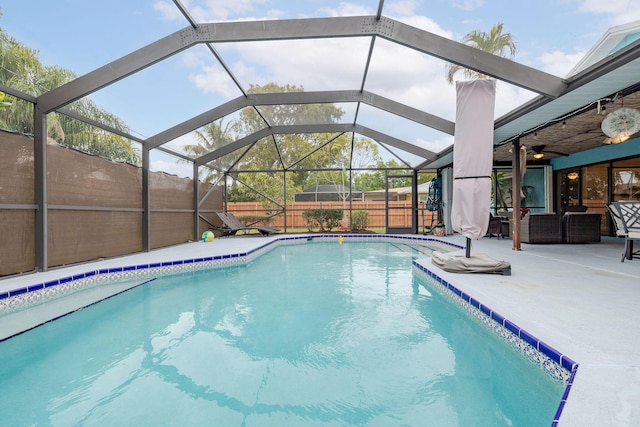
<point>472,166</point>
<point>523,167</point>
<point>473,158</point>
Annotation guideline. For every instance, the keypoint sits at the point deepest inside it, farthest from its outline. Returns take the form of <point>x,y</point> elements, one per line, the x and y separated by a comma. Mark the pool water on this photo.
<point>314,334</point>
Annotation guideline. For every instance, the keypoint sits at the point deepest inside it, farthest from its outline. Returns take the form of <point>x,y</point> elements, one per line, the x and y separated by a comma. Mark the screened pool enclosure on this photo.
<point>263,142</point>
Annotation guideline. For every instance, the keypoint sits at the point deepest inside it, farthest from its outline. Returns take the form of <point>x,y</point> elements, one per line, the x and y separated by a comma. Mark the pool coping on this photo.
<point>553,362</point>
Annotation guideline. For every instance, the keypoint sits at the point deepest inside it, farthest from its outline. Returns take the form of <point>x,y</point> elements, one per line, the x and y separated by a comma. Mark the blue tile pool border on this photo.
<point>559,366</point>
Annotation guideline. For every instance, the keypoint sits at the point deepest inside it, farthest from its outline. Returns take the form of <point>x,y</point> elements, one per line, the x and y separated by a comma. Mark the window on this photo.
<point>626,180</point>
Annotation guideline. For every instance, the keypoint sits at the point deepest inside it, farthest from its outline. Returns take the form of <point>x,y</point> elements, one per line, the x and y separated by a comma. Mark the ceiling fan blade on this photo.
<point>556,152</point>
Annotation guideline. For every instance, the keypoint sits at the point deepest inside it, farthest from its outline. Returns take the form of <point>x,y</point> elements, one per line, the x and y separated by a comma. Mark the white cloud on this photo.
<point>620,12</point>
<point>313,64</point>
<point>612,7</point>
<point>164,162</point>
<point>208,74</point>
<point>347,9</point>
<point>402,8</point>
<point>435,145</point>
<point>558,63</point>
<point>214,80</point>
<point>222,10</point>
<point>179,143</point>
<point>411,77</point>
<point>509,97</point>
<point>215,10</point>
<point>468,5</point>
<point>168,10</point>
<point>184,170</point>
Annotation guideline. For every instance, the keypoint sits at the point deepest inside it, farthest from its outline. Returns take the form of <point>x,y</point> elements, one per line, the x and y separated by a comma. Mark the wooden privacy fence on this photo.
<point>399,212</point>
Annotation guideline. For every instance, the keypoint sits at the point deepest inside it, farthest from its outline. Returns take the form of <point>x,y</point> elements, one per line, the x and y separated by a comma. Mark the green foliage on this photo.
<point>324,219</point>
<point>503,197</point>
<point>493,42</point>
<point>332,218</point>
<point>359,220</point>
<point>250,220</point>
<point>210,137</point>
<point>5,101</point>
<point>312,219</point>
<point>375,180</point>
<point>295,153</point>
<point>104,144</point>
<point>21,70</point>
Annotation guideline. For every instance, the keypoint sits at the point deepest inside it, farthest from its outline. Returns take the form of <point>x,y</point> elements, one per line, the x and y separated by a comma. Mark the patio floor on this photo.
<point>580,299</point>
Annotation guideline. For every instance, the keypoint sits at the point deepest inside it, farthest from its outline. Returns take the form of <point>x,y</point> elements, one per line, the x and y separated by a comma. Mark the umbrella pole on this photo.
<point>468,254</point>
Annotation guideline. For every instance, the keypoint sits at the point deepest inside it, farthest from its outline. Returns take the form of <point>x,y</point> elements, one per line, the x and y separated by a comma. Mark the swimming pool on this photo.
<point>313,334</point>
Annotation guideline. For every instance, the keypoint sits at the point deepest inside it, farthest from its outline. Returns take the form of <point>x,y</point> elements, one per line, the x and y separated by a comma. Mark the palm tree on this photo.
<point>493,42</point>
<point>21,69</point>
<point>210,138</point>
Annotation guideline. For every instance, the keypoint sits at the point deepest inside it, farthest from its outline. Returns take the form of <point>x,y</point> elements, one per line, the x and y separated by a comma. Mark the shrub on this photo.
<point>254,219</point>
<point>324,219</point>
<point>312,219</point>
<point>332,218</point>
<point>359,220</point>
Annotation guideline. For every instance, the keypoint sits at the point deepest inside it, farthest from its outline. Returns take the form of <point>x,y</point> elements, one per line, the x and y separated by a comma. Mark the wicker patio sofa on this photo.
<point>541,228</point>
<point>581,227</point>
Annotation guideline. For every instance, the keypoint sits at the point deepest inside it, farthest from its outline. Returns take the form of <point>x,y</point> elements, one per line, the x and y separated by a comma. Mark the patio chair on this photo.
<point>629,213</point>
<point>617,221</point>
<point>233,225</point>
<point>495,227</point>
<point>581,227</point>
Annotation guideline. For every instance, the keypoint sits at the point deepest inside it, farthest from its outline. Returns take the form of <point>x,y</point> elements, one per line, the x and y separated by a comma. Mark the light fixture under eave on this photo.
<point>572,176</point>
<point>617,140</point>
<point>539,151</point>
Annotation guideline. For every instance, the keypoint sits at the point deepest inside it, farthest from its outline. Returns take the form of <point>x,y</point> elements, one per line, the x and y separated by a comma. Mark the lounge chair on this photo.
<point>232,225</point>
<point>629,213</point>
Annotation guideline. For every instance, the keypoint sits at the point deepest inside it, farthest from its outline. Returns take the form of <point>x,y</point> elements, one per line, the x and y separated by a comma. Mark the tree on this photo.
<point>211,137</point>
<point>281,152</point>
<point>375,180</point>
<point>268,158</point>
<point>5,101</point>
<point>21,69</point>
<point>493,42</point>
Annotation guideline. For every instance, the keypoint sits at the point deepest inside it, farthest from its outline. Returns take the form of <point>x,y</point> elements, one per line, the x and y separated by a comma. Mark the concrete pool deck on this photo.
<point>579,299</point>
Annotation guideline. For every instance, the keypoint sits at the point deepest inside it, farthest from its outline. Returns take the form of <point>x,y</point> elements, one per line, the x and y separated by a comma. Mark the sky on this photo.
<point>82,35</point>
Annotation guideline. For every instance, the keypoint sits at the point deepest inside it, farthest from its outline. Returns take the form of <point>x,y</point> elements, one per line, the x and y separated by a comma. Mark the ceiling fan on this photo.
<point>539,151</point>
